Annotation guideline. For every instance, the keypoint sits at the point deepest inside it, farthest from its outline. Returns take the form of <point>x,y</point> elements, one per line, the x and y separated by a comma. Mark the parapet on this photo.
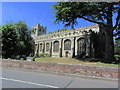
<point>69,33</point>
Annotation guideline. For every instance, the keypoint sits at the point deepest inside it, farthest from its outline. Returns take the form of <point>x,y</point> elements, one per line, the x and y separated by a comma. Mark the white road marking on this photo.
<point>29,82</point>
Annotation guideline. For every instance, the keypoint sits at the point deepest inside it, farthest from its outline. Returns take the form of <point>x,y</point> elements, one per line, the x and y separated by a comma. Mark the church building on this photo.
<point>81,42</point>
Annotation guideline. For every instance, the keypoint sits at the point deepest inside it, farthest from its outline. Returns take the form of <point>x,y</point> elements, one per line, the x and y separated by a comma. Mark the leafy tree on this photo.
<point>16,40</point>
<point>0,43</point>
<point>9,40</point>
<point>25,41</point>
<point>117,40</point>
<point>96,12</point>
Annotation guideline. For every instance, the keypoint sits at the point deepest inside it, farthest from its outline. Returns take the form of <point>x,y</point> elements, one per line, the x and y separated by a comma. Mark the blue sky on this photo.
<point>33,13</point>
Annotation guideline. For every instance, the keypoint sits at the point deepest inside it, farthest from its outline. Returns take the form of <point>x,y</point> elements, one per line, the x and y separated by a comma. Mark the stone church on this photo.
<point>82,42</point>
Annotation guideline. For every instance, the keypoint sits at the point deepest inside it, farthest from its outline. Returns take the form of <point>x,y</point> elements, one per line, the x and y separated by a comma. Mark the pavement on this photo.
<point>14,78</point>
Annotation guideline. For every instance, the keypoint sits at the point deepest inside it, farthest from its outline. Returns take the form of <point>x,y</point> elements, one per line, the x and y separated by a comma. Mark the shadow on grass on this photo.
<point>115,61</point>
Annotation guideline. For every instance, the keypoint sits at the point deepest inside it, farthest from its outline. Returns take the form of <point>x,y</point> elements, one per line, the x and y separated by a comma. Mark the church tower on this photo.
<point>39,30</point>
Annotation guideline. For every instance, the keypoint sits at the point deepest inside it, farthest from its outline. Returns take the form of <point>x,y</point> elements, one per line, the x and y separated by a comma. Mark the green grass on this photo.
<point>72,61</point>
<point>116,55</point>
<point>22,59</point>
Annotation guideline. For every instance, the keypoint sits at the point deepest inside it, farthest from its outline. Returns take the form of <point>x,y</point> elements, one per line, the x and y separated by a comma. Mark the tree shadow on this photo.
<point>115,61</point>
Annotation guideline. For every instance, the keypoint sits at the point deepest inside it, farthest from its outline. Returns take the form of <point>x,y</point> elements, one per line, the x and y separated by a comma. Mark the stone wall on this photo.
<point>61,37</point>
<point>79,70</point>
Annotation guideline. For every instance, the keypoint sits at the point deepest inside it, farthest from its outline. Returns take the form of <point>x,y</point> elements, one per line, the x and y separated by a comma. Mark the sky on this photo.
<point>33,13</point>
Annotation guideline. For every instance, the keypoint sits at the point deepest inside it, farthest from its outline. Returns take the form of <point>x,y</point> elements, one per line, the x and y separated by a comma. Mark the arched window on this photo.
<point>47,46</point>
<point>67,44</point>
<point>81,46</point>
<point>56,46</point>
<point>41,47</point>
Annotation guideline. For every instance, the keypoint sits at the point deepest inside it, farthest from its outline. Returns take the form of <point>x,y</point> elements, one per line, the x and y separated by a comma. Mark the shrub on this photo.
<point>44,55</point>
<point>21,59</point>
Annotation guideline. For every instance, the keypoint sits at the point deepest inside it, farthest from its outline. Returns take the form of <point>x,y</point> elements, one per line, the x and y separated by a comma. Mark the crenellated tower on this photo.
<point>39,30</point>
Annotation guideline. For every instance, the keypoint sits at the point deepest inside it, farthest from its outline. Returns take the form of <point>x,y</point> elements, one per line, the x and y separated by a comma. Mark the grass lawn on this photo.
<point>72,61</point>
<point>116,55</point>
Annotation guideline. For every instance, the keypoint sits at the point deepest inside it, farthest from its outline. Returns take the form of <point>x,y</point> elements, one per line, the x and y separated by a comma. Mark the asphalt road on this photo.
<point>26,79</point>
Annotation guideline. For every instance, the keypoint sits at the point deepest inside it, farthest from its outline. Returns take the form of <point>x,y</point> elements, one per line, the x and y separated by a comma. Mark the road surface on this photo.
<point>26,79</point>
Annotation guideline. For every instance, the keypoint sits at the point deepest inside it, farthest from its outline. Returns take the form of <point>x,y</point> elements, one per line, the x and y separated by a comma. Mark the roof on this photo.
<point>82,28</point>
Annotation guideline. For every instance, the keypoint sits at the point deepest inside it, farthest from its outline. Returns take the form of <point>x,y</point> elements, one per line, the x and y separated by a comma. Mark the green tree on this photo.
<point>117,40</point>
<point>96,12</point>
<point>25,41</point>
<point>16,40</point>
<point>117,47</point>
<point>9,40</point>
<point>0,43</point>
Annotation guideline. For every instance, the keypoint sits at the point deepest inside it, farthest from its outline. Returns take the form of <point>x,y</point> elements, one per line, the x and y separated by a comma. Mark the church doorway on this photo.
<point>66,54</point>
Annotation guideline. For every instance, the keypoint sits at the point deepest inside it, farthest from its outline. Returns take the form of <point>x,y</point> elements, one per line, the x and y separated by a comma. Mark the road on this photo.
<point>26,79</point>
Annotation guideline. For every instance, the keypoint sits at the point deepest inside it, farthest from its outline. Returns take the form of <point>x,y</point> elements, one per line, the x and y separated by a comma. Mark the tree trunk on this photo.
<point>109,56</point>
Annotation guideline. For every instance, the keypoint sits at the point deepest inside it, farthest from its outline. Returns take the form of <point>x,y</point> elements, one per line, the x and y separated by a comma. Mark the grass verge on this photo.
<point>72,61</point>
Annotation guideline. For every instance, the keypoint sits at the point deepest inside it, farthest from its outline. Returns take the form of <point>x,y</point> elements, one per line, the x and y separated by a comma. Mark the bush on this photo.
<point>21,59</point>
<point>44,55</point>
<point>116,55</point>
<point>117,49</point>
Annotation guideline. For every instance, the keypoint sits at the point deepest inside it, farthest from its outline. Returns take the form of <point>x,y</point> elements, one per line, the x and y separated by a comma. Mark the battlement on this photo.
<point>39,30</point>
<point>71,43</point>
<point>69,33</point>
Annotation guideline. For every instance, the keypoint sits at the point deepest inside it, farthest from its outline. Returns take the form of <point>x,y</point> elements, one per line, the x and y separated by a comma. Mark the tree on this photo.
<point>9,40</point>
<point>96,12</point>
<point>25,41</point>
<point>16,40</point>
<point>117,40</point>
<point>0,43</point>
<point>117,47</point>
<point>117,33</point>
